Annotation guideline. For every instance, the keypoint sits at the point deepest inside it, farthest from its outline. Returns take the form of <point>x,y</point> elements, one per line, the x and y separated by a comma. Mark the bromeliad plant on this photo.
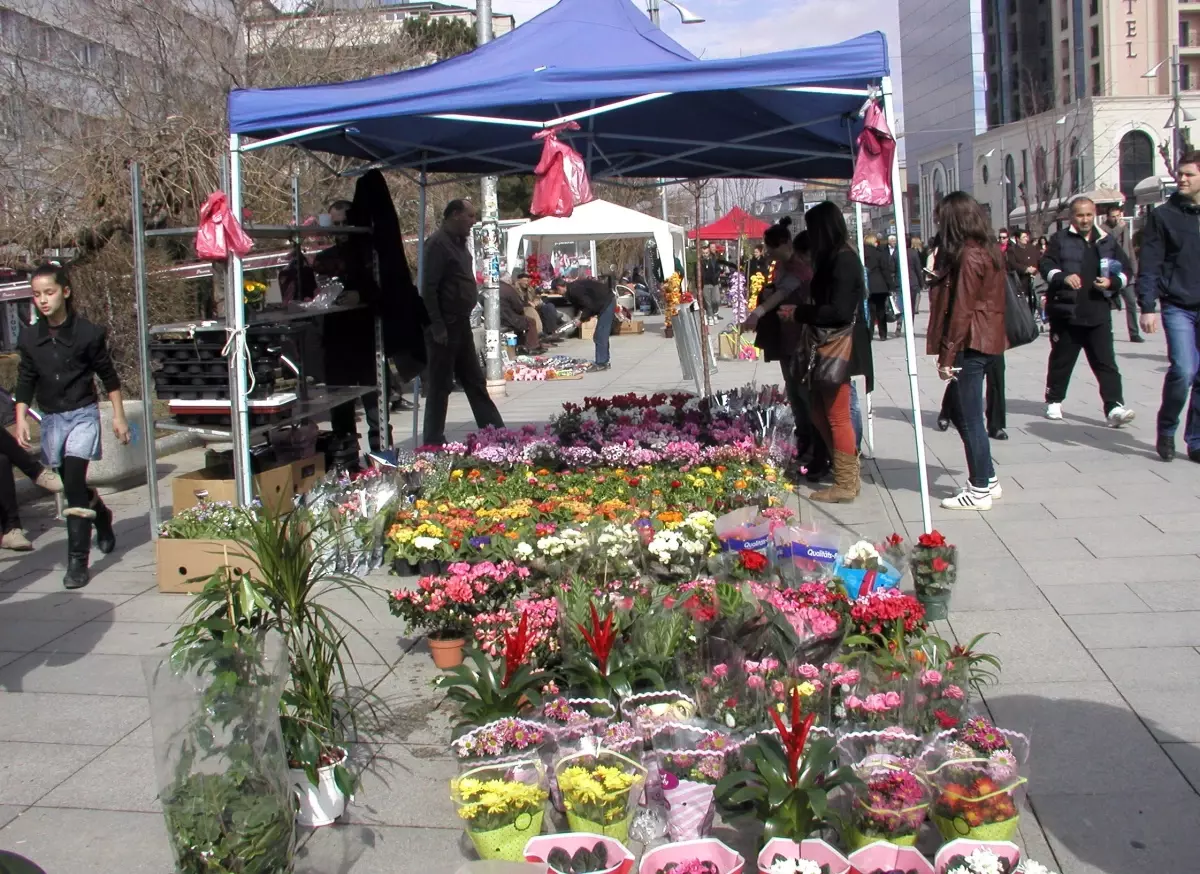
<point>789,780</point>
<point>485,694</point>
<point>605,670</point>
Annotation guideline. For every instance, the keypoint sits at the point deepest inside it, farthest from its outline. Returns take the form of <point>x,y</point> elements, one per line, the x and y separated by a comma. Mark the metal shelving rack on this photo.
<point>240,433</point>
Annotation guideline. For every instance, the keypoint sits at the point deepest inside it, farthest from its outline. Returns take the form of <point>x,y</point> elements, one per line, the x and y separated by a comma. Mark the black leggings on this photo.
<point>12,455</point>
<point>74,477</point>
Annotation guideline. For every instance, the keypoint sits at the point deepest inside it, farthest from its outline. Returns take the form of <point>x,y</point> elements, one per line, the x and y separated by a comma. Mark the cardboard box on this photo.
<point>273,487</point>
<point>184,566</point>
<point>633,326</point>
<point>307,472</point>
<point>587,331</point>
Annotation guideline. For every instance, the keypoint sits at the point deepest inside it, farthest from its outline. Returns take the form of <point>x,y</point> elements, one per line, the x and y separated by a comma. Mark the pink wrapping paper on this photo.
<point>539,848</point>
<point>690,810</point>
<point>727,860</point>
<point>887,856</point>
<point>966,846</point>
<point>818,851</point>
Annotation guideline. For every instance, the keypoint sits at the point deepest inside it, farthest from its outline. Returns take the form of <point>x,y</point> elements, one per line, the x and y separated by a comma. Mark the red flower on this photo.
<point>516,649</point>
<point>932,539</point>
<point>945,720</point>
<point>600,638</point>
<point>753,561</point>
<point>635,481</point>
<point>894,540</point>
<point>794,738</point>
<point>676,484</point>
<point>940,564</point>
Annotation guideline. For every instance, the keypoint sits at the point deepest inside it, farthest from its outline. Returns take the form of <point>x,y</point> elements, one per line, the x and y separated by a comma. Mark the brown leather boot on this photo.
<point>845,481</point>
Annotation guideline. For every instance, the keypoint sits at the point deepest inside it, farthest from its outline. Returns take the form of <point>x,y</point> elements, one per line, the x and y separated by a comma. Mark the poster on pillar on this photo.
<point>872,182</point>
<point>562,181</point>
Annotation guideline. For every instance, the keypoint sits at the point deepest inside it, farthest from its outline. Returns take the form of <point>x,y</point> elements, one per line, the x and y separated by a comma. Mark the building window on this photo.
<point>1097,81</point>
<point>1064,49</point>
<point>1010,188</point>
<point>984,173</point>
<point>1058,168</point>
<point>1136,162</point>
<point>1184,32</point>
<point>1095,40</point>
<point>939,185</point>
<point>1185,77</point>
<point>1066,89</point>
<point>1094,7</point>
<point>1076,169</point>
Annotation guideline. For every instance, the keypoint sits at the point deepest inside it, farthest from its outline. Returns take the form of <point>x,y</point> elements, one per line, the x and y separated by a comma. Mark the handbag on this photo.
<point>1018,318</point>
<point>828,364</point>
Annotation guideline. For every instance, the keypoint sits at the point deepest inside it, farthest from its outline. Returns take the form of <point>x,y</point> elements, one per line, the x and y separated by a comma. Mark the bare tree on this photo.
<point>1047,186</point>
<point>739,192</point>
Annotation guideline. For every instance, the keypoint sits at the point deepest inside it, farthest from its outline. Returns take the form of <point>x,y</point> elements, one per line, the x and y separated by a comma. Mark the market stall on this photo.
<point>734,225</point>
<point>598,221</point>
<point>644,105</point>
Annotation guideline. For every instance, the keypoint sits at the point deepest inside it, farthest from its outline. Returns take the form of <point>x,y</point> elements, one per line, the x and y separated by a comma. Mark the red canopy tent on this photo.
<point>732,226</point>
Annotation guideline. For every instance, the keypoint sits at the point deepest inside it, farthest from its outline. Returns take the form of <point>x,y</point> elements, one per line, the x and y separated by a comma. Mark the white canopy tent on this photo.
<point>597,221</point>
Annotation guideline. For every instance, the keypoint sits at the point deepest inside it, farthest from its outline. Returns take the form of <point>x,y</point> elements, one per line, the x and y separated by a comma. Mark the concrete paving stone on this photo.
<point>30,770</point>
<point>1171,596</point>
<point>1058,572</point>
<point>70,673</point>
<point>116,638</point>
<point>1175,523</point>
<point>111,842</point>
<point>120,778</point>
<point>402,789</point>
<point>1143,629</point>
<point>1034,645</point>
<point>6,657</point>
<point>1160,667</point>
<point>1186,757</point>
<point>1013,530</point>
<point>9,812</point>
<point>155,607</point>
<point>1183,491</point>
<point>1060,547</point>
<point>29,634</point>
<point>1081,494</point>
<point>977,593</point>
<point>113,581</point>
<point>1141,545</point>
<point>1169,712</point>
<point>1052,472</point>
<point>1118,833</point>
<point>69,719</point>
<point>1084,740</point>
<point>1098,598</point>
<point>60,606</point>
<point>375,849</point>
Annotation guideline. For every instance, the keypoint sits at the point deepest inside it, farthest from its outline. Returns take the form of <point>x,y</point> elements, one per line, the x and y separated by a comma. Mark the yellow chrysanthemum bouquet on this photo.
<point>503,806</point>
<point>600,792</point>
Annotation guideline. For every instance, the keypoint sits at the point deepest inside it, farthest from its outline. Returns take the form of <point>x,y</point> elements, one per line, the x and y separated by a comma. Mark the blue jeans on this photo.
<point>604,332</point>
<point>856,416</point>
<point>1182,327</point>
<point>968,416</point>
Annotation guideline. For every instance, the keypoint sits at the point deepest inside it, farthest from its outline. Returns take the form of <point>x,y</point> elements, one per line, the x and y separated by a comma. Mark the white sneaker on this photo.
<point>1054,411</point>
<point>1120,415</point>
<point>968,499</point>
<point>995,490</point>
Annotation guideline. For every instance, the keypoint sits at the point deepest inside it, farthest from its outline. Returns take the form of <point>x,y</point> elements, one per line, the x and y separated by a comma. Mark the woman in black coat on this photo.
<point>881,282</point>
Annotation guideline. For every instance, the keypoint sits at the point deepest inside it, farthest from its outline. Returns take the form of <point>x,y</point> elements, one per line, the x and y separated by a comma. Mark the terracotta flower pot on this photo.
<point>447,653</point>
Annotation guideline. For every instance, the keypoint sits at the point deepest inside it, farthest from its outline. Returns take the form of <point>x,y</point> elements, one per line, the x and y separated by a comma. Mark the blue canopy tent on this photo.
<point>645,105</point>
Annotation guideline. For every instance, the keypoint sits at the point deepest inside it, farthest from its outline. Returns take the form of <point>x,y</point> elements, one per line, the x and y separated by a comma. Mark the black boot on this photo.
<point>820,465</point>
<point>106,539</point>
<point>79,547</point>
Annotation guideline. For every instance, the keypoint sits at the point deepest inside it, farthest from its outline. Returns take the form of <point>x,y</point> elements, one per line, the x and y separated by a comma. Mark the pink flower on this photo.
<point>769,664</point>
<point>754,681</point>
<point>954,692</point>
<point>853,702</point>
<point>848,679</point>
<point>834,668</point>
<point>708,682</point>
<point>875,703</point>
<point>751,667</point>
<point>808,672</point>
<point>931,678</point>
<point>720,671</point>
<point>778,689</point>
<point>892,700</point>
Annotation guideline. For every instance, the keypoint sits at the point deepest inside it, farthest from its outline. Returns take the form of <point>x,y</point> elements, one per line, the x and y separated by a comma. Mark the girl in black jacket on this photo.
<point>61,356</point>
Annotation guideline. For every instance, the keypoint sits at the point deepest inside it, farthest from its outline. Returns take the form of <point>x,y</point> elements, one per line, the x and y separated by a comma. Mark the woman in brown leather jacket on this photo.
<point>966,332</point>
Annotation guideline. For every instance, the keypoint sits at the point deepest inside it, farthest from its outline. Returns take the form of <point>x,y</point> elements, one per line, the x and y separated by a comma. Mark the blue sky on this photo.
<point>734,27</point>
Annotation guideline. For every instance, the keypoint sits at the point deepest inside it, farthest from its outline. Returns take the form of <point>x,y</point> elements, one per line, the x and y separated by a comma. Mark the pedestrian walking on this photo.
<point>593,299</point>
<point>450,293</point>
<point>1169,277</point>
<point>61,356</point>
<point>916,272</point>
<point>995,403</point>
<point>710,276</point>
<point>1084,269</point>
<point>1022,259</point>
<point>12,455</point>
<point>880,283</point>
<point>1116,226</point>
<point>967,333</point>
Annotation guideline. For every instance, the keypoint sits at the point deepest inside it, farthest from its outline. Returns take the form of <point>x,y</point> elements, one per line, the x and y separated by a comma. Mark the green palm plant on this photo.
<point>323,705</point>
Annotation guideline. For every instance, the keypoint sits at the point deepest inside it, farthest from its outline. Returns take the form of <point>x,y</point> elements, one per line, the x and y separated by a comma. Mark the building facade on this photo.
<point>945,89</point>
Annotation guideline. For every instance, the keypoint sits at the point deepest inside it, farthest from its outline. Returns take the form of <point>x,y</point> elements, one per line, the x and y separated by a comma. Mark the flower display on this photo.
<point>891,802</point>
<point>885,611</point>
<point>499,738</point>
<point>783,865</point>
<point>690,866</point>
<point>208,520</point>
<point>449,605</point>
<point>979,861</point>
<point>600,792</point>
<point>502,806</point>
<point>977,781</point>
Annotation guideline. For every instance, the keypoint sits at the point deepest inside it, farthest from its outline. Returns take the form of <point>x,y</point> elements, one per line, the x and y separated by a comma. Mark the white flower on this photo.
<point>730,721</point>
<point>524,550</point>
<point>1031,867</point>
<point>427,544</point>
<point>981,861</point>
<point>863,552</point>
<point>794,866</point>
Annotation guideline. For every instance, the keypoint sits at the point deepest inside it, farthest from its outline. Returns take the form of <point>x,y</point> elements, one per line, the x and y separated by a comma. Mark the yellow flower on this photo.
<point>806,688</point>
<point>469,811</point>
<point>456,474</point>
<point>421,504</point>
<point>705,470</point>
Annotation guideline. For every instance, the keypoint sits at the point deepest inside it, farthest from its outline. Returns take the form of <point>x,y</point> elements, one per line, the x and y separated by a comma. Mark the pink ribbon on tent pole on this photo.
<point>872,182</point>
<point>562,181</point>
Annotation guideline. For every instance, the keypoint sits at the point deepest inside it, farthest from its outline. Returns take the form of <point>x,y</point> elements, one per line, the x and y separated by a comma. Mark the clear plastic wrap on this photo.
<point>354,514</point>
<point>503,806</point>
<point>600,792</point>
<point>979,780</point>
<point>222,773</point>
<point>691,761</point>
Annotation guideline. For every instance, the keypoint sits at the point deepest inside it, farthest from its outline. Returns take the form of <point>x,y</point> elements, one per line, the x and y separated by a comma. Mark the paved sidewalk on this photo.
<point>1088,569</point>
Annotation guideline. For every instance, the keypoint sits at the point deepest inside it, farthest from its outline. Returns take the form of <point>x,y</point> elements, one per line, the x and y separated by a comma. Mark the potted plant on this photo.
<point>483,693</point>
<point>603,670</point>
<point>222,772</point>
<point>935,569</point>
<point>503,806</point>
<point>890,803</point>
<point>978,857</point>
<point>691,761</point>
<point>782,856</point>
<point>978,780</point>
<point>323,704</point>
<point>573,853</point>
<point>703,856</point>
<point>788,782</point>
<point>884,858</point>
<point>600,792</point>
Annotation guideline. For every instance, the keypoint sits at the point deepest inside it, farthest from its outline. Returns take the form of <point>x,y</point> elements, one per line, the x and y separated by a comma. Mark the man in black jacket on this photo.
<point>1085,269</point>
<point>592,298</point>
<point>1170,273</point>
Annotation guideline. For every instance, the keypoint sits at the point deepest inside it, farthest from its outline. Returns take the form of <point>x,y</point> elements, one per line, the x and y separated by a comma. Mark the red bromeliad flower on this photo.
<point>600,638</point>
<point>893,540</point>
<point>516,649</point>
<point>794,738</point>
<point>932,540</point>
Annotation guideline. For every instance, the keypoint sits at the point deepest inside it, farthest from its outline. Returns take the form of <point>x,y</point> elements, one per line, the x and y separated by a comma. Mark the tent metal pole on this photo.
<point>868,404</point>
<point>235,320</point>
<point>289,138</point>
<point>421,207</point>
<point>143,316</point>
<point>910,350</point>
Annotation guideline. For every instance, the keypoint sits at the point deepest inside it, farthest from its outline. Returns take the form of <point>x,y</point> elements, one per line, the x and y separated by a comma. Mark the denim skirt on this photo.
<point>75,433</point>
